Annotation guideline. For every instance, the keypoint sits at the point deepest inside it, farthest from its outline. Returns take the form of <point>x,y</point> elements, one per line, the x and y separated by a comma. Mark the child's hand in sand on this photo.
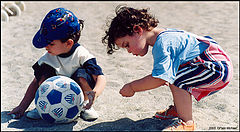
<point>127,90</point>
<point>17,112</point>
<point>91,96</point>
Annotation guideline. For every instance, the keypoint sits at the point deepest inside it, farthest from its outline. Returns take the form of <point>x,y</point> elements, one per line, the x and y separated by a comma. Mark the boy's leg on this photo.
<point>183,103</point>
<point>88,114</point>
<point>87,83</point>
<point>84,86</point>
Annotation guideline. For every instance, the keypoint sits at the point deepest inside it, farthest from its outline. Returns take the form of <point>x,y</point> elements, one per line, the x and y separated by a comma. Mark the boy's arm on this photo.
<point>142,84</point>
<point>30,94</point>
<point>27,99</point>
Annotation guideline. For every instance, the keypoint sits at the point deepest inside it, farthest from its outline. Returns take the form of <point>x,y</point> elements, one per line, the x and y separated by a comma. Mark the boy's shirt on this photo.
<point>173,48</point>
<point>67,64</point>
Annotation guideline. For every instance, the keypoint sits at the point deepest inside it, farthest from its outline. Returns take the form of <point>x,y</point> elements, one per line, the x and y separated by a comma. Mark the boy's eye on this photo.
<point>126,45</point>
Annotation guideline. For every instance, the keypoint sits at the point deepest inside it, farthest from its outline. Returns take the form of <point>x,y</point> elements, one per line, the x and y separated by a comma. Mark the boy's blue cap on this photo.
<point>58,24</point>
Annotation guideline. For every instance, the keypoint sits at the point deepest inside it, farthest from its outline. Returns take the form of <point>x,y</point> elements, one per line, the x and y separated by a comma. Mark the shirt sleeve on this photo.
<point>43,70</point>
<point>92,67</point>
<point>165,61</point>
<point>83,55</point>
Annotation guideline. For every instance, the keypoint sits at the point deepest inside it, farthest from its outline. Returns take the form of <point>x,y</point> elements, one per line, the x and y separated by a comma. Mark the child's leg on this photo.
<point>84,86</point>
<point>89,114</point>
<point>85,80</point>
<point>183,103</point>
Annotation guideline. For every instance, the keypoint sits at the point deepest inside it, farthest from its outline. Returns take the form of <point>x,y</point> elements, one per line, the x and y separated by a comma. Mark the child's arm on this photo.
<point>100,84</point>
<point>142,84</point>
<point>98,89</point>
<point>27,99</point>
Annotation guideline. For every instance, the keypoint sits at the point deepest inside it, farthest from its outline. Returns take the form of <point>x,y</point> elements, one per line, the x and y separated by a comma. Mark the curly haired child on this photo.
<point>189,64</point>
<point>59,34</point>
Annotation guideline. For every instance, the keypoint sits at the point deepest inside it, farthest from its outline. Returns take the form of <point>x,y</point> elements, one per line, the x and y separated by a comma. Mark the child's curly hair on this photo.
<point>123,23</point>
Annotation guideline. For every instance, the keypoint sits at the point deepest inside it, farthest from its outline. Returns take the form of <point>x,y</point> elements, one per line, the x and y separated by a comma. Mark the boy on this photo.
<point>59,34</point>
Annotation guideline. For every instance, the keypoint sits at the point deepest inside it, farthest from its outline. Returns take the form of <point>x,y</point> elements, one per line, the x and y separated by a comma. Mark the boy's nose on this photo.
<point>47,47</point>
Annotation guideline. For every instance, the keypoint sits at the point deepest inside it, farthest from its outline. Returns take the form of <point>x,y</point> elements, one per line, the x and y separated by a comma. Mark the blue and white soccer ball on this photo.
<point>59,99</point>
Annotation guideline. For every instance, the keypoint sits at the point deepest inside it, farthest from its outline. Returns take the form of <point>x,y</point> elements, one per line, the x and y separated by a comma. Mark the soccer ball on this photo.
<point>59,99</point>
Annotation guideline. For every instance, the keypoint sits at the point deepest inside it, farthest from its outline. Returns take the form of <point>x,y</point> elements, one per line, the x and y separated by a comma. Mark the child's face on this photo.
<point>135,44</point>
<point>56,47</point>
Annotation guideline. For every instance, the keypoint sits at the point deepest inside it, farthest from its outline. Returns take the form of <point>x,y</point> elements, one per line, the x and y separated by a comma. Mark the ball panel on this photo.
<point>75,87</point>
<point>54,97</point>
<point>61,84</point>
<point>69,98</point>
<point>45,88</point>
<point>72,112</point>
<point>42,105</point>
<point>58,111</point>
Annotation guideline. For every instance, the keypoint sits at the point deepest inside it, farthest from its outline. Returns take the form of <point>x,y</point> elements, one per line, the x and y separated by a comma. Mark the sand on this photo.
<point>217,112</point>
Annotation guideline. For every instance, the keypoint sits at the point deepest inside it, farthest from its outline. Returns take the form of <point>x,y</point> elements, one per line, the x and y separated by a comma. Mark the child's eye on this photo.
<point>126,45</point>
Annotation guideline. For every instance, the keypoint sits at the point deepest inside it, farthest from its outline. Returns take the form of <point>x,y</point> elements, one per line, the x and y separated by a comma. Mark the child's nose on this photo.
<point>47,47</point>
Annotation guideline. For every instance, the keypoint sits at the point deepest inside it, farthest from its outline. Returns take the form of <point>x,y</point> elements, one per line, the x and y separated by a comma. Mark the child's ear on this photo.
<point>137,29</point>
<point>70,42</point>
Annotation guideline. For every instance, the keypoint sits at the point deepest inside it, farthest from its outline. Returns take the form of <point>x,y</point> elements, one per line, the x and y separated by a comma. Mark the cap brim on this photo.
<point>39,41</point>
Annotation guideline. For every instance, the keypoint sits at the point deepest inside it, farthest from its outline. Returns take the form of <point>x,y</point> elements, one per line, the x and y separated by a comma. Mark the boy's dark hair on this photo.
<point>122,24</point>
<point>75,36</point>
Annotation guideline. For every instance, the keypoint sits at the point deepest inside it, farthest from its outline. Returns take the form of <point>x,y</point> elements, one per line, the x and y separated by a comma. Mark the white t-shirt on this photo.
<point>67,65</point>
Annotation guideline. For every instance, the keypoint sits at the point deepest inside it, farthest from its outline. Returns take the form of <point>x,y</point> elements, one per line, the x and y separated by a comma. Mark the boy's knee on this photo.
<point>82,81</point>
<point>83,84</point>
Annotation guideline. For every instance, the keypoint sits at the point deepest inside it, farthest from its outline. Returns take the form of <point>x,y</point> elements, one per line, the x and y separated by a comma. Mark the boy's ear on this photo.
<point>70,42</point>
<point>137,29</point>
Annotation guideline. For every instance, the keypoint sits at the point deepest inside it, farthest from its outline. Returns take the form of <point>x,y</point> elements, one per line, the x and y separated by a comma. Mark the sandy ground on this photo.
<point>217,112</point>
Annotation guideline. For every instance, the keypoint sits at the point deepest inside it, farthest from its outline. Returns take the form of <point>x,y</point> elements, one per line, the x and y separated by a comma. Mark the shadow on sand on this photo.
<point>124,124</point>
<point>26,124</point>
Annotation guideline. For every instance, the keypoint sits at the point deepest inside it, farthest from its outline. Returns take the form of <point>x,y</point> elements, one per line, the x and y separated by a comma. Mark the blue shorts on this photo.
<point>81,72</point>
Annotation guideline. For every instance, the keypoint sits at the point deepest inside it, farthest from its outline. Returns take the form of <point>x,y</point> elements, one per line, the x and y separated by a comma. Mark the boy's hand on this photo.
<point>18,112</point>
<point>91,97</point>
<point>127,90</point>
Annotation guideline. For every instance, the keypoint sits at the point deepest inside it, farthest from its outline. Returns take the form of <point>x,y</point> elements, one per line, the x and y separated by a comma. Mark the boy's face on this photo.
<point>135,44</point>
<point>56,47</point>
